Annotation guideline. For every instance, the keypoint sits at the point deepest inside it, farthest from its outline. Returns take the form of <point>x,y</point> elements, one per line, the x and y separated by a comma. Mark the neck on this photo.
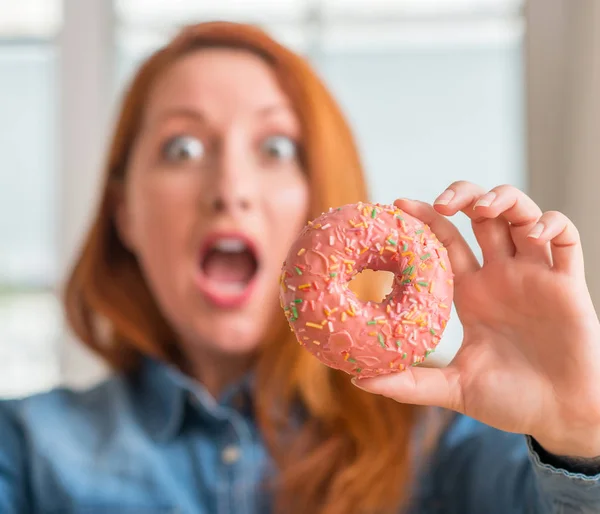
<point>215,371</point>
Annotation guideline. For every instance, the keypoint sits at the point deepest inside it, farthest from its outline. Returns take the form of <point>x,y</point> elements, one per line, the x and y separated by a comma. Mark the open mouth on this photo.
<point>228,265</point>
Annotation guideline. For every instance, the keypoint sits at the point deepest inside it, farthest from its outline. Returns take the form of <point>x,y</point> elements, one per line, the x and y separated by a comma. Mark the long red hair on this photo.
<point>351,452</point>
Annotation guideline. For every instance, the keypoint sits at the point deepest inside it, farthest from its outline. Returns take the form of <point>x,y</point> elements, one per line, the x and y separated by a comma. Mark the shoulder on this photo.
<point>64,416</point>
<point>463,432</point>
<point>11,435</point>
<point>63,400</point>
<point>55,434</point>
<point>473,447</point>
<point>85,450</point>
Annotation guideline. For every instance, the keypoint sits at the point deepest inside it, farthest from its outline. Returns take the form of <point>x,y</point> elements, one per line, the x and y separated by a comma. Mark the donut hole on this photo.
<point>372,286</point>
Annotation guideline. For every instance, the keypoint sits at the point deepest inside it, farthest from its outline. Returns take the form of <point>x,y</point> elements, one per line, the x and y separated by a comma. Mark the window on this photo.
<point>29,314</point>
<point>432,88</point>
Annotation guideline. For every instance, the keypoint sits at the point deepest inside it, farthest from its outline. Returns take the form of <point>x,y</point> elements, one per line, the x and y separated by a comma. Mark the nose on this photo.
<point>233,188</point>
<point>222,202</point>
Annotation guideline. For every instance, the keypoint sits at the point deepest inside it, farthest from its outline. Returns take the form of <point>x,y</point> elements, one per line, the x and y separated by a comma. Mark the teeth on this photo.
<point>232,288</point>
<point>230,245</point>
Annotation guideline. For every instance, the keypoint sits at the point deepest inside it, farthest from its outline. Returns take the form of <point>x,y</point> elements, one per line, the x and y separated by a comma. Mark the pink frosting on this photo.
<point>367,338</point>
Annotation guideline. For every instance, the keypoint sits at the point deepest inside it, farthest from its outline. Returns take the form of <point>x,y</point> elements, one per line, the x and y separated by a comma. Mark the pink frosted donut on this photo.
<point>367,338</point>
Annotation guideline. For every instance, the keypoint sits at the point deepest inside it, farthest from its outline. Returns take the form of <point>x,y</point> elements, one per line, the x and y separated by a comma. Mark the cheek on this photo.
<point>161,215</point>
<point>289,211</point>
<point>152,211</point>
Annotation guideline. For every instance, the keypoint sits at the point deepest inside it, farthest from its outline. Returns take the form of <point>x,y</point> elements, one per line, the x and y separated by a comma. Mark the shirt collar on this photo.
<point>164,397</point>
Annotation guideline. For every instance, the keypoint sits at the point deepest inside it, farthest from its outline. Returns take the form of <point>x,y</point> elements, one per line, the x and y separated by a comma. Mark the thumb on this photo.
<point>438,387</point>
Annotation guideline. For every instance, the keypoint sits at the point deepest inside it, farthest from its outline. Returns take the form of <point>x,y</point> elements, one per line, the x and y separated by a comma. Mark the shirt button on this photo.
<point>231,454</point>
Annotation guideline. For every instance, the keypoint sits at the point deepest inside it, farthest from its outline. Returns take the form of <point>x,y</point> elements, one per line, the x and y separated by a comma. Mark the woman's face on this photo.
<point>214,197</point>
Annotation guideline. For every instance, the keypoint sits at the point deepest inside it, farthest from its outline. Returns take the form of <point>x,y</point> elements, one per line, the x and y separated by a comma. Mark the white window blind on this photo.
<point>431,88</point>
<point>29,314</point>
<point>27,18</point>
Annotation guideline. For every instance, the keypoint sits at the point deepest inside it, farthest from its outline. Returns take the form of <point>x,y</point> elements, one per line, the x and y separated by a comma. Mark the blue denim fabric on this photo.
<point>156,442</point>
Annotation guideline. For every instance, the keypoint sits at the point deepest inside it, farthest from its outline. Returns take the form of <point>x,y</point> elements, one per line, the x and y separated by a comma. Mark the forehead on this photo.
<point>219,82</point>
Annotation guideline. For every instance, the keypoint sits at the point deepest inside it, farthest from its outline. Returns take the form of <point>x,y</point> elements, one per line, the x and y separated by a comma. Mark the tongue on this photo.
<point>229,267</point>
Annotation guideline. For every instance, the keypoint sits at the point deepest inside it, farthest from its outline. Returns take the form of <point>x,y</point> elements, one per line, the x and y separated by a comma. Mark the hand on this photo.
<point>530,358</point>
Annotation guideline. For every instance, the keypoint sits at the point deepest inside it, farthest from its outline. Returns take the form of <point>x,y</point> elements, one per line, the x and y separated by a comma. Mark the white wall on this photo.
<point>431,102</point>
<point>425,115</point>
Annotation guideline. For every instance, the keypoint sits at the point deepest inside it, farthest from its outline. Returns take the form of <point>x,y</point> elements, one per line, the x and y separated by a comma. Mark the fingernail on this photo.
<point>445,198</point>
<point>536,231</point>
<point>486,200</point>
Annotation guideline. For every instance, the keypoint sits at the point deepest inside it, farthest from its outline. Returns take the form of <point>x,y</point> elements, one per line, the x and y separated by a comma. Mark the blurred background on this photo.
<point>492,91</point>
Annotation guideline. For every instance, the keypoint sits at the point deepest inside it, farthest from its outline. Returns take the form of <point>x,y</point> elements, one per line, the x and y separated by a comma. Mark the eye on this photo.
<point>280,148</point>
<point>183,148</point>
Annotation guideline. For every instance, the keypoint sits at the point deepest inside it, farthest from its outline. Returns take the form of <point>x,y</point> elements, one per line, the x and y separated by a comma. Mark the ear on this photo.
<point>122,217</point>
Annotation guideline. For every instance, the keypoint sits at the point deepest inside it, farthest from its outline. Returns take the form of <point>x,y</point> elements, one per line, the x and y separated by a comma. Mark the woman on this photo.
<point>225,145</point>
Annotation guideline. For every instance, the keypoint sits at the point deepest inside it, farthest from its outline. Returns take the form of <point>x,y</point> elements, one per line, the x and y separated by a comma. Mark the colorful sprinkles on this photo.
<point>364,337</point>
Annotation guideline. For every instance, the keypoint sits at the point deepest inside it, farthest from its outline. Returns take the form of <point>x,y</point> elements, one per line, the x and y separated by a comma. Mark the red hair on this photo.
<point>351,452</point>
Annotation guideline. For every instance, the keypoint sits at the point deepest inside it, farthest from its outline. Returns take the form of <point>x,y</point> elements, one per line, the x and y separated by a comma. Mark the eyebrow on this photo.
<point>195,114</point>
<point>270,109</point>
<point>180,112</point>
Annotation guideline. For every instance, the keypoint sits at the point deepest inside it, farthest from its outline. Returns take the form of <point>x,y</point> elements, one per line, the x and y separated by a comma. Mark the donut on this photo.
<point>367,338</point>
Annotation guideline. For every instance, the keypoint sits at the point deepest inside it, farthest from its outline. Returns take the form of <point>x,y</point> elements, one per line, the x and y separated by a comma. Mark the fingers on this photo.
<point>492,233</point>
<point>506,223</point>
<point>565,245</point>
<point>438,387</point>
<point>461,256</point>
<point>522,213</point>
<point>512,205</point>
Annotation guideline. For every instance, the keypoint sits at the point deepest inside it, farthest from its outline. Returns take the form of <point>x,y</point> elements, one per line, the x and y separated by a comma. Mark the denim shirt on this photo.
<point>156,442</point>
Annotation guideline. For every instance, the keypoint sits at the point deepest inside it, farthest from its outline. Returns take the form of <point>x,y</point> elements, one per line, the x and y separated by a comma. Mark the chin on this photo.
<point>232,337</point>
